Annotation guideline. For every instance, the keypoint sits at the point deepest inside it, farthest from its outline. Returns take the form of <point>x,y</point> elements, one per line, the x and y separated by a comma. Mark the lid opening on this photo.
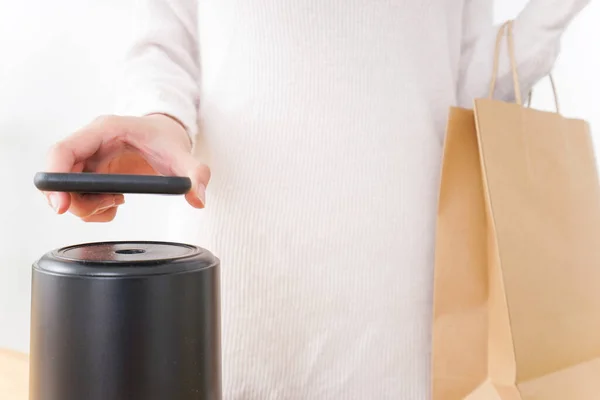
<point>130,251</point>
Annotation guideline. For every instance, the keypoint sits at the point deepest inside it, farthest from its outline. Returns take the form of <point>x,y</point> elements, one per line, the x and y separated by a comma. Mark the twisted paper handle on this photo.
<point>507,28</point>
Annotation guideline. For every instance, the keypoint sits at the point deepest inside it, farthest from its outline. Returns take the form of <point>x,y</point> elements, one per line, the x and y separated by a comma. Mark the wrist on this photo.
<point>166,117</point>
<point>174,123</point>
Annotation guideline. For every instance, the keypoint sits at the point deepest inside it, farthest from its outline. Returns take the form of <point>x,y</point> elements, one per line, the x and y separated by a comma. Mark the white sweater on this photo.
<point>323,123</point>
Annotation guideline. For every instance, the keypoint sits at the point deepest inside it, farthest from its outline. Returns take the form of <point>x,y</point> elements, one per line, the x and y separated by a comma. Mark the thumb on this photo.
<point>185,164</point>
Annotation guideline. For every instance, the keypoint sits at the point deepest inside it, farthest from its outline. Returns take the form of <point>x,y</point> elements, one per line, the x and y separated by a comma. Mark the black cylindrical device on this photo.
<point>125,321</point>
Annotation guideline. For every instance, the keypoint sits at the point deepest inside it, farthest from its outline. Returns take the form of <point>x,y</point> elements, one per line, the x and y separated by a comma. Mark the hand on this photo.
<point>150,145</point>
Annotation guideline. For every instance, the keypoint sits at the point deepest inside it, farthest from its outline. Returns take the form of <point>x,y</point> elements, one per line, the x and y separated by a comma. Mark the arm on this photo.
<point>537,33</point>
<point>162,66</point>
<point>161,72</point>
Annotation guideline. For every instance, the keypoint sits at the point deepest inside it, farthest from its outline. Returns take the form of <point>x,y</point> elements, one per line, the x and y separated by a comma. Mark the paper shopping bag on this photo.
<point>517,274</point>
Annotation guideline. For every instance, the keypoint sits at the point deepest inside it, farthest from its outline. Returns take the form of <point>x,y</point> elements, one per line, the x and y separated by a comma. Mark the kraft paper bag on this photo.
<point>517,274</point>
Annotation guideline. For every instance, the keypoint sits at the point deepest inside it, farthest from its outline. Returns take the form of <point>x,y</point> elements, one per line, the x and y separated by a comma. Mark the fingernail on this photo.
<point>104,207</point>
<point>202,194</point>
<point>109,203</point>
<point>54,201</point>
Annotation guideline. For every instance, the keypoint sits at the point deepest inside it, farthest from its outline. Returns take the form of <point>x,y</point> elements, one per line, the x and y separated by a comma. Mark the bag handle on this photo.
<point>553,84</point>
<point>507,28</point>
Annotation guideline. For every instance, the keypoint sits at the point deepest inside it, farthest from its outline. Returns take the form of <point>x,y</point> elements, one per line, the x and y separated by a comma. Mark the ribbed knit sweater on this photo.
<point>323,123</point>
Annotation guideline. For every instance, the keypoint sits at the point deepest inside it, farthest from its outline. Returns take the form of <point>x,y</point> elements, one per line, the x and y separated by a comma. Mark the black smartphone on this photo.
<point>87,182</point>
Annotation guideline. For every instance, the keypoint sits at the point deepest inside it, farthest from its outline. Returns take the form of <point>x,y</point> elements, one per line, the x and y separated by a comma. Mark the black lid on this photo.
<point>126,259</point>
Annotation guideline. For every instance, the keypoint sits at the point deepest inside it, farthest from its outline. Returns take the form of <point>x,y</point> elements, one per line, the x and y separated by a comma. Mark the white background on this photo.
<point>58,67</point>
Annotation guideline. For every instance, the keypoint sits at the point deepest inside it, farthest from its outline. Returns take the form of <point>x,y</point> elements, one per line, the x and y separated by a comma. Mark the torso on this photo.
<point>323,124</point>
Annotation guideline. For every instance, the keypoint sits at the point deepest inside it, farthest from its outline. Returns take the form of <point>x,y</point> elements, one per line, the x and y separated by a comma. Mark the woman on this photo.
<point>322,123</point>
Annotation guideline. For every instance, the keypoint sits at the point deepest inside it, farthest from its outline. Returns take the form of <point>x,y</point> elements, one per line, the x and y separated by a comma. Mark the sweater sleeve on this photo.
<point>161,67</point>
<point>537,31</point>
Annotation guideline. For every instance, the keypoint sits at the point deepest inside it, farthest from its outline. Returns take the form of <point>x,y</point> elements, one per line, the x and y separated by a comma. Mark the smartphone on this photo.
<point>87,182</point>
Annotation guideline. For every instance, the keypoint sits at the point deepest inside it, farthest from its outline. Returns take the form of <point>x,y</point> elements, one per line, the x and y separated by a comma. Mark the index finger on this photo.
<point>80,146</point>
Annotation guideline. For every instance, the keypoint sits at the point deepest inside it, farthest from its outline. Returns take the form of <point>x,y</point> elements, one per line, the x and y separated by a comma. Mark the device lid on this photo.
<point>124,259</point>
